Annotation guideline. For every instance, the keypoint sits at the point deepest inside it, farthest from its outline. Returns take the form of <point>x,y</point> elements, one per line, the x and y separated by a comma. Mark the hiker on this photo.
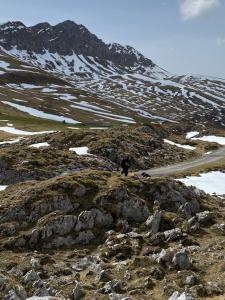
<point>125,165</point>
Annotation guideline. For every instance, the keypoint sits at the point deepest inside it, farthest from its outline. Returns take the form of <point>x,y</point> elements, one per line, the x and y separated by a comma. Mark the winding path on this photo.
<point>173,169</point>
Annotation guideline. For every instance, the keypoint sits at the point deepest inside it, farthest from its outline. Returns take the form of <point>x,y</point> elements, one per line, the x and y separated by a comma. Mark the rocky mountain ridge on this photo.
<point>96,83</point>
<point>65,39</point>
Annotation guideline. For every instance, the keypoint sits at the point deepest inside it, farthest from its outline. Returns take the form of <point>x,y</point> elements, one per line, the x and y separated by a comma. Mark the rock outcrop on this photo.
<point>94,235</point>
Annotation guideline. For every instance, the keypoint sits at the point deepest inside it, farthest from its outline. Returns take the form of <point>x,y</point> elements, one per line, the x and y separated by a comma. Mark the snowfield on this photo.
<point>40,114</point>
<point>13,130</point>
<point>211,183</point>
<point>104,114</point>
<point>211,139</point>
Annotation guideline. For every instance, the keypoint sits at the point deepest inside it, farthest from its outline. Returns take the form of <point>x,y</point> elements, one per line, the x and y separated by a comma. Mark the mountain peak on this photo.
<point>11,25</point>
<point>43,25</point>
<point>67,23</point>
<point>129,53</point>
<point>68,38</point>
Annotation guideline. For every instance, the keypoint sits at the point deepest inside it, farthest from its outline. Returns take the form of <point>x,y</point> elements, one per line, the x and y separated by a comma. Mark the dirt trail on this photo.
<point>172,169</point>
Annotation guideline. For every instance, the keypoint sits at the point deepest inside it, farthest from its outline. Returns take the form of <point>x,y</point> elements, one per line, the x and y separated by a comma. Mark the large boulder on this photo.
<point>181,260</point>
<point>78,291</point>
<point>153,222</point>
<point>134,209</point>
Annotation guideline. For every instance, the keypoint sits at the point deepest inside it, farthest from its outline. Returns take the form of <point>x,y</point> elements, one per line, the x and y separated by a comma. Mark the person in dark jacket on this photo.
<point>125,165</point>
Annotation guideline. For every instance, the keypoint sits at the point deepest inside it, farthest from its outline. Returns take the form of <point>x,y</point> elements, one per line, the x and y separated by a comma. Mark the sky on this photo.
<point>181,36</point>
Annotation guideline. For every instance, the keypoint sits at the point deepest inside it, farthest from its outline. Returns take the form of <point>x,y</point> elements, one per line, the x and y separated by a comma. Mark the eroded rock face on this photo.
<point>106,237</point>
<point>181,260</point>
<point>78,291</point>
<point>94,217</point>
<point>74,212</point>
<point>153,222</point>
<point>173,234</point>
<point>134,209</point>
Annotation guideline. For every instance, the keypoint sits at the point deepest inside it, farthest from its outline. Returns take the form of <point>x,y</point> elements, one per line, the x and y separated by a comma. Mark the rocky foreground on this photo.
<point>96,235</point>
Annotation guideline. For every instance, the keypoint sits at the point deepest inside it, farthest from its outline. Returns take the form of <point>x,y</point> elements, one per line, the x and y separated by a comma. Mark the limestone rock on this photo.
<point>153,222</point>
<point>3,281</point>
<point>59,226</point>
<point>157,239</point>
<point>35,263</point>
<point>80,191</point>
<point>114,296</point>
<point>134,209</point>
<point>190,208</point>
<point>42,292</point>
<point>105,275</point>
<point>165,256</point>
<point>191,280</point>
<point>183,296</point>
<point>84,238</point>
<point>173,234</point>
<point>78,291</point>
<point>181,260</point>
<point>12,295</point>
<point>157,273</point>
<point>204,217</point>
<point>219,228</point>
<point>213,288</point>
<point>94,217</point>
<point>114,286</point>
<point>21,292</point>
<point>193,224</point>
<point>31,276</point>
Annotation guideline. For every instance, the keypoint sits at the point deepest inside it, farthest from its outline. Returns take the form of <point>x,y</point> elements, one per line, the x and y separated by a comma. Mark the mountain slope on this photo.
<point>98,83</point>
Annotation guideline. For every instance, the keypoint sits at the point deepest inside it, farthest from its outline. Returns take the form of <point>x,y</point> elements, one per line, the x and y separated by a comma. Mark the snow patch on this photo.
<point>179,145</point>
<point>40,114</point>
<point>104,114</point>
<point>39,145</point>
<point>3,187</point>
<point>13,130</point>
<point>80,150</point>
<point>30,86</point>
<point>48,90</point>
<point>10,142</point>
<point>191,134</point>
<point>211,183</point>
<point>211,139</point>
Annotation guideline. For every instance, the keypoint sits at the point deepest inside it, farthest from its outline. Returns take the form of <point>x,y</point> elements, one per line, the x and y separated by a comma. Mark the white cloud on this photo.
<point>221,41</point>
<point>191,9</point>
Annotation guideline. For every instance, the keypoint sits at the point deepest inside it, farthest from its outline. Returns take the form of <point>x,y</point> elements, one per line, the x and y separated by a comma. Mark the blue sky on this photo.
<point>182,36</point>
